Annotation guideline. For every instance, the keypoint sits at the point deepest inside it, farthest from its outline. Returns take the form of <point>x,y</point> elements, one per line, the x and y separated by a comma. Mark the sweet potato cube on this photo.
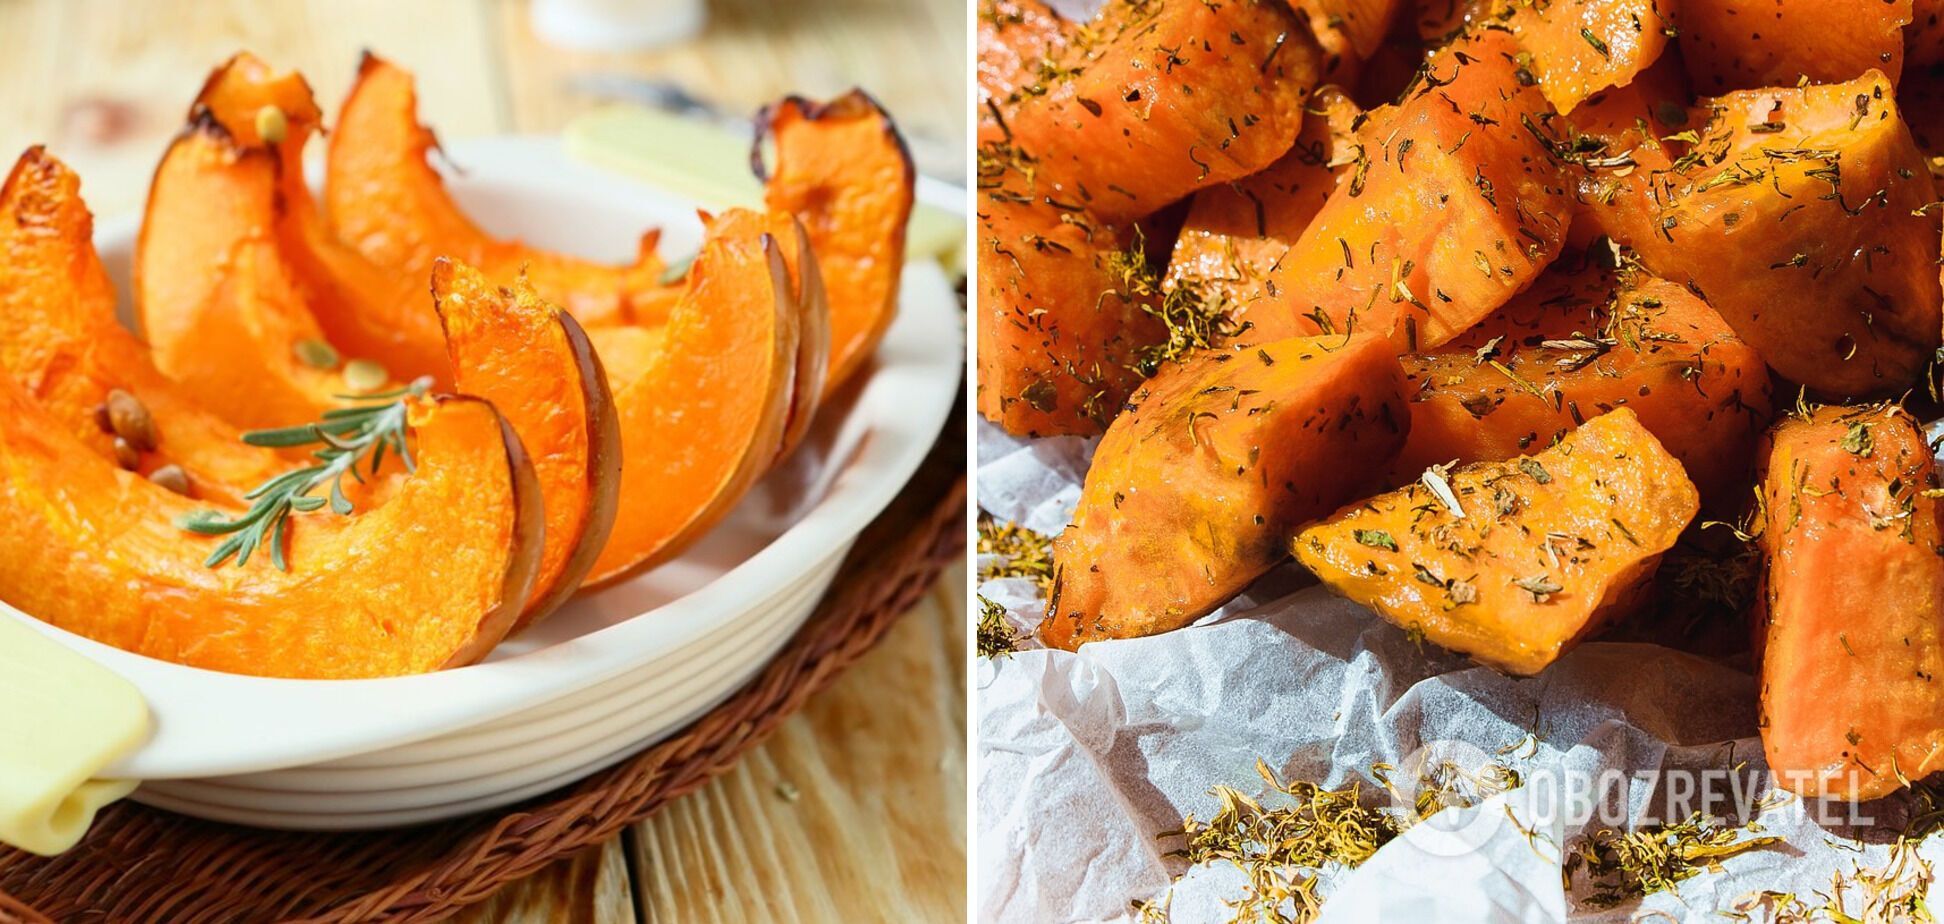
<point>1851,626</point>
<point>1196,487</point>
<point>1549,548</point>
<point>1577,346</point>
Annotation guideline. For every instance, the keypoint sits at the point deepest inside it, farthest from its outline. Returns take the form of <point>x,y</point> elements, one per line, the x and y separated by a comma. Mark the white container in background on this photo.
<point>616,25</point>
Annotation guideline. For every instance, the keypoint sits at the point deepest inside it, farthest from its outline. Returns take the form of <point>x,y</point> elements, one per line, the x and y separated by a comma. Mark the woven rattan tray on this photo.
<point>147,865</point>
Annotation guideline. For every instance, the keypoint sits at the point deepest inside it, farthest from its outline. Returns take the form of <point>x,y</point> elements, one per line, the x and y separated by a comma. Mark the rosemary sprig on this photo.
<point>345,436</point>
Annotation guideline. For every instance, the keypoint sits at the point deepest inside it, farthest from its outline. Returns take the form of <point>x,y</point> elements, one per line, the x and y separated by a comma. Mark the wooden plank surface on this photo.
<point>854,811</point>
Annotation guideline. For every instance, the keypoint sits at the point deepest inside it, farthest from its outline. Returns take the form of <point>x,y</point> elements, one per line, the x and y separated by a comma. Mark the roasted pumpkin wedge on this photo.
<point>1580,47</point>
<point>1750,44</point>
<point>1576,346</point>
<point>1441,221</point>
<point>843,171</point>
<point>1803,216</point>
<point>1849,630</point>
<point>536,366</point>
<point>365,312</point>
<point>384,199</point>
<point>220,307</point>
<point>1129,122</point>
<point>1234,234</point>
<point>710,409</point>
<point>60,339</point>
<point>1351,29</point>
<point>1197,486</point>
<point>1513,562</point>
<point>1621,154</point>
<point>432,578</point>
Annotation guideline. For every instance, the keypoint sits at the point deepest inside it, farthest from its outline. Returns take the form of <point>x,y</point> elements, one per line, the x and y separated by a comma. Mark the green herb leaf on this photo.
<point>1537,471</point>
<point>1375,538</point>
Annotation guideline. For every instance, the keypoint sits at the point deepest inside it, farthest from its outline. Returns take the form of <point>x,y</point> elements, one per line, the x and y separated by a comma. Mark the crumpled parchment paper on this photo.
<point>1085,759</point>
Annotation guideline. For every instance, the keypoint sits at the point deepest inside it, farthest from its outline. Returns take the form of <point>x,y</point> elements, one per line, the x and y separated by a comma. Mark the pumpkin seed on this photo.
<point>316,354</point>
<point>171,476</point>
<point>125,455</point>
<point>129,419</point>
<point>362,375</point>
<point>272,125</point>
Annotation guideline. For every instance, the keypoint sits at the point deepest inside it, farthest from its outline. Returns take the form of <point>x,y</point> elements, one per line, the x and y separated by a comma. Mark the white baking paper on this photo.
<point>1083,759</point>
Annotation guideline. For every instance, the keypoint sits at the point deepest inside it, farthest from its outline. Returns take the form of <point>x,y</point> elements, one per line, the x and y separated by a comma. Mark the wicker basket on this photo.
<point>147,865</point>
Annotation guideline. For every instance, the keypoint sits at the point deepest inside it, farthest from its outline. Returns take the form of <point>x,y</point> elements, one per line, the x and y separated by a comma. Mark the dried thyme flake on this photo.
<point>1375,538</point>
<point>1540,586</point>
<point>1627,865</point>
<point>1857,440</point>
<point>1020,552</point>
<point>1537,471</point>
<point>997,637</point>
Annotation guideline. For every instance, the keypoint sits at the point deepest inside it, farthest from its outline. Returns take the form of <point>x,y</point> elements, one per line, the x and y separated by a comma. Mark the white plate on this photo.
<point>215,724</point>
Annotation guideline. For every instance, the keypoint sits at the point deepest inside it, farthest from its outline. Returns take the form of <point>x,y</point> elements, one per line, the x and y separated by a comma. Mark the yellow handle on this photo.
<point>62,719</point>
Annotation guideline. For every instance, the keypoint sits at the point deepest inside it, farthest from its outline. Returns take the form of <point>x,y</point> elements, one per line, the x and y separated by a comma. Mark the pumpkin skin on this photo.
<point>844,172</point>
<point>707,407</point>
<point>365,311</point>
<point>61,340</point>
<point>432,578</point>
<point>222,310</point>
<point>384,199</point>
<point>1848,625</point>
<point>535,364</point>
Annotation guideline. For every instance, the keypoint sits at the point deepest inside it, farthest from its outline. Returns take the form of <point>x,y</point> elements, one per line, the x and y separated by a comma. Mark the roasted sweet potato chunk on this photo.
<point>432,578</point>
<point>843,171</point>
<point>1513,562</point>
<point>1063,322</point>
<point>385,200</point>
<point>1234,233</point>
<point>1749,44</point>
<point>1577,346</point>
<point>536,366</point>
<point>1580,47</point>
<point>1850,637</point>
<point>709,410</point>
<point>1443,218</point>
<point>60,339</point>
<point>1802,216</point>
<point>1014,37</point>
<point>1194,489</point>
<point>1128,120</point>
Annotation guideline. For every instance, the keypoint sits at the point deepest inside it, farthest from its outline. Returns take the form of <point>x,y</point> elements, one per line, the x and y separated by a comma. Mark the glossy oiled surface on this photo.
<point>886,742</point>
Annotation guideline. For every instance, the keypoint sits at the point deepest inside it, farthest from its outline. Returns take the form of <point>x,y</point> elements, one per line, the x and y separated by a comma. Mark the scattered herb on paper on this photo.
<point>997,637</point>
<point>1020,552</point>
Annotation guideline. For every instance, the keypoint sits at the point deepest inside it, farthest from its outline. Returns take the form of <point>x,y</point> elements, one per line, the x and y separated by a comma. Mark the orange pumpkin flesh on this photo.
<point>384,199</point>
<point>533,362</point>
<point>1852,649</point>
<point>1749,44</point>
<point>708,413</point>
<point>60,338</point>
<point>842,169</point>
<point>221,309</point>
<point>432,578</point>
<point>365,311</point>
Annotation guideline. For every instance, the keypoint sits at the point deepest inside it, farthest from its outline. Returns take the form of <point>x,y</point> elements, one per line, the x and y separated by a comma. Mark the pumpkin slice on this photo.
<point>1802,215</point>
<point>1549,548</point>
<point>1195,489</point>
<point>61,340</point>
<point>1128,121</point>
<point>707,415</point>
<point>1749,44</point>
<point>810,385</point>
<point>221,309</point>
<point>843,170</point>
<point>384,199</point>
<point>1580,47</point>
<point>1577,346</point>
<point>1849,631</point>
<point>1623,136</point>
<point>364,311</point>
<point>1444,217</point>
<point>432,578</point>
<point>533,362</point>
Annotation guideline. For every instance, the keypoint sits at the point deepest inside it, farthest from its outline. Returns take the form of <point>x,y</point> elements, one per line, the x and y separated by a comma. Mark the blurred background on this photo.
<point>855,809</point>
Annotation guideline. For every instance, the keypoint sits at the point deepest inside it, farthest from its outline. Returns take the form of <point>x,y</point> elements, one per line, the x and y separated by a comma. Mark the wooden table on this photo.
<point>855,810</point>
